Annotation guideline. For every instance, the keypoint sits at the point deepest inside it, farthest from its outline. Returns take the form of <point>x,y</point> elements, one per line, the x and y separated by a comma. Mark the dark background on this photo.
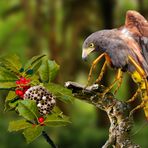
<point>58,29</point>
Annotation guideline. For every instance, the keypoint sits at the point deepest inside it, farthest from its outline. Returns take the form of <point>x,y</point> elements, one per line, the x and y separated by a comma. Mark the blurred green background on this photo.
<point>58,29</point>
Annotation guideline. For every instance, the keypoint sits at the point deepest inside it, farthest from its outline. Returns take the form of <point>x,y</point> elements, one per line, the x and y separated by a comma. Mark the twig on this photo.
<point>48,139</point>
<point>117,111</point>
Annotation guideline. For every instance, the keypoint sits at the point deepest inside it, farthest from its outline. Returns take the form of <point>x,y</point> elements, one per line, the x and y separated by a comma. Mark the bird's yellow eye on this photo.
<point>91,45</point>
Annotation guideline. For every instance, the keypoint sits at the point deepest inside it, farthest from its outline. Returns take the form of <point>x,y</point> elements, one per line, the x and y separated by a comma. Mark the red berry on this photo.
<point>23,80</point>
<point>19,92</point>
<point>26,87</point>
<point>41,119</point>
<point>18,82</point>
<point>22,96</point>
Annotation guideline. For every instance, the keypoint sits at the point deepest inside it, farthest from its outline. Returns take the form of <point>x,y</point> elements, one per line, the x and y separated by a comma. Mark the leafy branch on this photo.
<point>20,81</point>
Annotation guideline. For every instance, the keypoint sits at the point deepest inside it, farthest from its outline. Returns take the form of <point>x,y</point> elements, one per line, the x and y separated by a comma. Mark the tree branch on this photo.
<point>48,139</point>
<point>117,111</point>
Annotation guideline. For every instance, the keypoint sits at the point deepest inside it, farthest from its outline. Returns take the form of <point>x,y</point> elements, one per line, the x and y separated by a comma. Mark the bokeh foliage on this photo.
<point>57,28</point>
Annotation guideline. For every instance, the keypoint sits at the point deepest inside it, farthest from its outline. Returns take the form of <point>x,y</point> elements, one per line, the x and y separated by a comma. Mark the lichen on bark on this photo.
<point>118,113</point>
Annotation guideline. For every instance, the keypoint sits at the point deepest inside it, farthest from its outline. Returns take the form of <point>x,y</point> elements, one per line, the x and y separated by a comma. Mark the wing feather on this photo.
<point>138,27</point>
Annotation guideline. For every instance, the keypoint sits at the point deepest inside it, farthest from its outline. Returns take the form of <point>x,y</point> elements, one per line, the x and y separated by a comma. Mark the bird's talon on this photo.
<point>129,101</point>
<point>103,94</point>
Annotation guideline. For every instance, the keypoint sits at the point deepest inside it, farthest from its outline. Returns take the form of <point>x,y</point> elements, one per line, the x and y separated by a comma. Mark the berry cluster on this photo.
<point>45,100</point>
<point>22,86</point>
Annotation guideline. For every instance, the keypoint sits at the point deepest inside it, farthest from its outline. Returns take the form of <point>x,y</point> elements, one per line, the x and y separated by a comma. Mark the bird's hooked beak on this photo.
<point>86,52</point>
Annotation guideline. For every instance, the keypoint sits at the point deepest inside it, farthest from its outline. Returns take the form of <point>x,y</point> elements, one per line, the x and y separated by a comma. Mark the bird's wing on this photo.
<point>121,47</point>
<point>144,46</point>
<point>135,50</point>
<point>137,25</point>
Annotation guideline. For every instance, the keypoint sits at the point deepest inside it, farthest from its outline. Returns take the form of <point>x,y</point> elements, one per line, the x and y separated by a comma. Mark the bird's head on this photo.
<point>88,47</point>
<point>92,43</point>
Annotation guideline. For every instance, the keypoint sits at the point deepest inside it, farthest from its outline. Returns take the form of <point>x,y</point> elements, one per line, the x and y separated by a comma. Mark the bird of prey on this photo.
<point>125,49</point>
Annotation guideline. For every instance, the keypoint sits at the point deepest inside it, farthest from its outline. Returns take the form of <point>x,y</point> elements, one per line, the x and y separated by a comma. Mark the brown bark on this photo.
<point>118,112</point>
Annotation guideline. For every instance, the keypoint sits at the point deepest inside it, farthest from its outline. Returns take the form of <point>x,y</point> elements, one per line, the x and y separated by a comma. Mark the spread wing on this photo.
<point>137,25</point>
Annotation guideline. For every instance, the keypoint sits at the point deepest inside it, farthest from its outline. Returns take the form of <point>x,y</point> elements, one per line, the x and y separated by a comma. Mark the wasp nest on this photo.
<point>45,100</point>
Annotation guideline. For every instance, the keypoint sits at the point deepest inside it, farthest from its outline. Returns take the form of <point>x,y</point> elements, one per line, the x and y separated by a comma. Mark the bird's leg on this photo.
<point>146,84</point>
<point>93,67</point>
<point>119,83</point>
<point>140,77</point>
<point>140,71</point>
<point>102,72</point>
<point>119,73</point>
<point>134,96</point>
<point>145,100</point>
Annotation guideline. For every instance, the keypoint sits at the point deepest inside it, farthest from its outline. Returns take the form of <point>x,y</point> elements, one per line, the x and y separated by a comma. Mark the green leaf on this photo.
<point>56,120</point>
<point>7,85</point>
<point>11,101</point>
<point>18,125</point>
<point>56,110</point>
<point>48,70</point>
<point>11,95</point>
<point>36,59</point>
<point>36,66</point>
<point>7,79</point>
<point>35,80</point>
<point>11,105</point>
<point>34,63</point>
<point>44,72</point>
<point>28,109</point>
<point>60,92</point>
<point>32,133</point>
<point>53,69</point>
<point>12,63</point>
<point>7,76</point>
